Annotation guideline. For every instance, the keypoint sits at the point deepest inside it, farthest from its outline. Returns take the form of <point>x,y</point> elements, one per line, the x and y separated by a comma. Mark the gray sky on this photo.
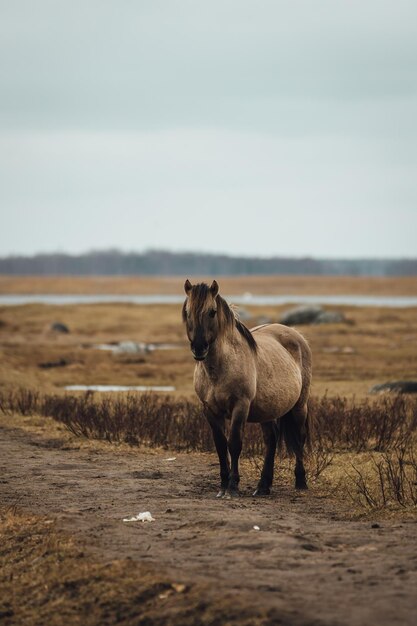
<point>257,128</point>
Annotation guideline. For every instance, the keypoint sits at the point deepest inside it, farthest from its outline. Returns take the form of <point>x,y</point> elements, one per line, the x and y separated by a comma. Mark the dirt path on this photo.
<point>305,560</point>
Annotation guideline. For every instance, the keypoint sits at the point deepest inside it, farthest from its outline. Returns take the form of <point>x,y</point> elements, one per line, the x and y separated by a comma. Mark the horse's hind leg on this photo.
<point>267,475</point>
<point>299,416</point>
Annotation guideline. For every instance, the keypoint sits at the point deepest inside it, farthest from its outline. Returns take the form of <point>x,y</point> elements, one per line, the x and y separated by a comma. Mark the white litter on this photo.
<point>140,517</point>
<point>256,528</point>
<point>171,458</point>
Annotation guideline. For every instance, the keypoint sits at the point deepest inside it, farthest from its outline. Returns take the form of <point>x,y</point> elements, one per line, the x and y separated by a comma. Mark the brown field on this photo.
<point>305,285</point>
<point>376,345</point>
<point>343,553</point>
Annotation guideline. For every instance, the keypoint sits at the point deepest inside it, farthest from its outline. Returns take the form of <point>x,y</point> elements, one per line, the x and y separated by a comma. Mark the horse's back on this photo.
<point>289,338</point>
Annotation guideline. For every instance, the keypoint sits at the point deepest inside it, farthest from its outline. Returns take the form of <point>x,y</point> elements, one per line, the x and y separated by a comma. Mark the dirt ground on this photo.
<point>308,563</point>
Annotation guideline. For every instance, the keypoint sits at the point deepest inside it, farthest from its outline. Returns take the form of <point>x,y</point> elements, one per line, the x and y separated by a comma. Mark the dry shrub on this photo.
<point>386,480</point>
<point>384,428</point>
<point>364,425</point>
<point>147,419</point>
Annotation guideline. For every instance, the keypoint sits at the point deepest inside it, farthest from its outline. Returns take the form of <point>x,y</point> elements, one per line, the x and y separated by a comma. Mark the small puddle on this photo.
<point>163,388</point>
<point>146,347</point>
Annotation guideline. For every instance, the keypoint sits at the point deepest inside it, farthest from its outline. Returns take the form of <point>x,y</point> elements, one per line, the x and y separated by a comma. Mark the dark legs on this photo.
<point>229,472</point>
<point>267,475</point>
<point>299,416</point>
<point>293,427</point>
<point>220,441</point>
<point>239,417</point>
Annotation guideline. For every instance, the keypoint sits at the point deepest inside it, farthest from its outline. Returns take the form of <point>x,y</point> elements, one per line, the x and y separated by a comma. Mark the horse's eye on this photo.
<point>212,312</point>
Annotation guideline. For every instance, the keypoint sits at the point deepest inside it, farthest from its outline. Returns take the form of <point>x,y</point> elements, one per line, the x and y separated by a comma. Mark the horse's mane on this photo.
<point>227,317</point>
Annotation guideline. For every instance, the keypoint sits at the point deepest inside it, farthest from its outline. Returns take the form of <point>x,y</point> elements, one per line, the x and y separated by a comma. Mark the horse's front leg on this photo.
<point>238,421</point>
<point>217,425</point>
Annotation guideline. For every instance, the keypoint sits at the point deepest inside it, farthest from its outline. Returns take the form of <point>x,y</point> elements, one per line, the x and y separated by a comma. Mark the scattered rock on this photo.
<point>50,364</point>
<point>131,347</point>
<point>311,315</point>
<point>329,317</point>
<point>375,526</point>
<point>396,386</point>
<point>301,315</point>
<point>59,327</point>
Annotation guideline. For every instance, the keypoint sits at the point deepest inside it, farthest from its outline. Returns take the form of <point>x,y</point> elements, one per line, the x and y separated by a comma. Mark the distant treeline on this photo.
<point>160,262</point>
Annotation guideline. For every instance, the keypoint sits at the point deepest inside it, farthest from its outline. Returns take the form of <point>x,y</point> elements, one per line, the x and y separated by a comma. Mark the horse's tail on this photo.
<point>295,430</point>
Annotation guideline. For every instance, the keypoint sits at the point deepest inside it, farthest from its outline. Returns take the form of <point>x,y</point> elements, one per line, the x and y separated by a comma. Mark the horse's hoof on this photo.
<point>221,493</point>
<point>231,493</point>
<point>262,491</point>
<point>301,486</point>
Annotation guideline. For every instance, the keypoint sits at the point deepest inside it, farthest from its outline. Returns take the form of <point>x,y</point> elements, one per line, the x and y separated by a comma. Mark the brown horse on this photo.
<point>261,375</point>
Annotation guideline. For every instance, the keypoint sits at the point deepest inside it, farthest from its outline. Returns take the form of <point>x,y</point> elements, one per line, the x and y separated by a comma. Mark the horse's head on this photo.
<point>200,316</point>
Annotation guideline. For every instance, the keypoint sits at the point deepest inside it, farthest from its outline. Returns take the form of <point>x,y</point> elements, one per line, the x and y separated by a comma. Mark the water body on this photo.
<point>118,388</point>
<point>243,299</point>
<point>142,348</point>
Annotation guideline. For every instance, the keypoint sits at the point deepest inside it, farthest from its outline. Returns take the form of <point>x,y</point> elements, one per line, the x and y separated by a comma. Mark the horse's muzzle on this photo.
<point>200,357</point>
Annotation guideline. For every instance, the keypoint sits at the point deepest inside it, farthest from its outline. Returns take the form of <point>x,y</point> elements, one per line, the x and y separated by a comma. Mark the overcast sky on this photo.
<point>256,128</point>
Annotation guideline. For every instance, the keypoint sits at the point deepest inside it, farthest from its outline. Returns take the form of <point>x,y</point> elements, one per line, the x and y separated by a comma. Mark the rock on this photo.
<point>301,315</point>
<point>396,386</point>
<point>59,327</point>
<point>329,317</point>
<point>311,315</point>
<point>50,364</point>
<point>131,347</point>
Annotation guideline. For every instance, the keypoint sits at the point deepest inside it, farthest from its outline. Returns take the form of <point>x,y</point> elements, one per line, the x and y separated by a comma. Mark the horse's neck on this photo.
<point>222,353</point>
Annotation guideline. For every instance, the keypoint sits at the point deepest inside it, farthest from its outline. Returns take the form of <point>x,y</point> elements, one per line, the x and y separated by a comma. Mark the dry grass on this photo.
<point>365,448</point>
<point>378,345</point>
<point>147,419</point>
<point>305,285</point>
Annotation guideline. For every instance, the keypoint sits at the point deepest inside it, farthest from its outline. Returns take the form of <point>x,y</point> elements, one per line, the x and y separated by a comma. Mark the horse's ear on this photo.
<point>187,287</point>
<point>214,289</point>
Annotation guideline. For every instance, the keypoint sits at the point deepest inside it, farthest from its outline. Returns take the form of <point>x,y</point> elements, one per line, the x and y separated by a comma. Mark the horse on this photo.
<point>261,375</point>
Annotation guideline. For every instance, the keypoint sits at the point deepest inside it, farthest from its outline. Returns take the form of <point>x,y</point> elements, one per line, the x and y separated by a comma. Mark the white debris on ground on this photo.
<point>256,528</point>
<point>140,517</point>
<point>171,458</point>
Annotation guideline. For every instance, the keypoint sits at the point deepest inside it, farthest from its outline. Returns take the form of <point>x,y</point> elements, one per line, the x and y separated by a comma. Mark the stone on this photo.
<point>301,315</point>
<point>59,327</point>
<point>396,386</point>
